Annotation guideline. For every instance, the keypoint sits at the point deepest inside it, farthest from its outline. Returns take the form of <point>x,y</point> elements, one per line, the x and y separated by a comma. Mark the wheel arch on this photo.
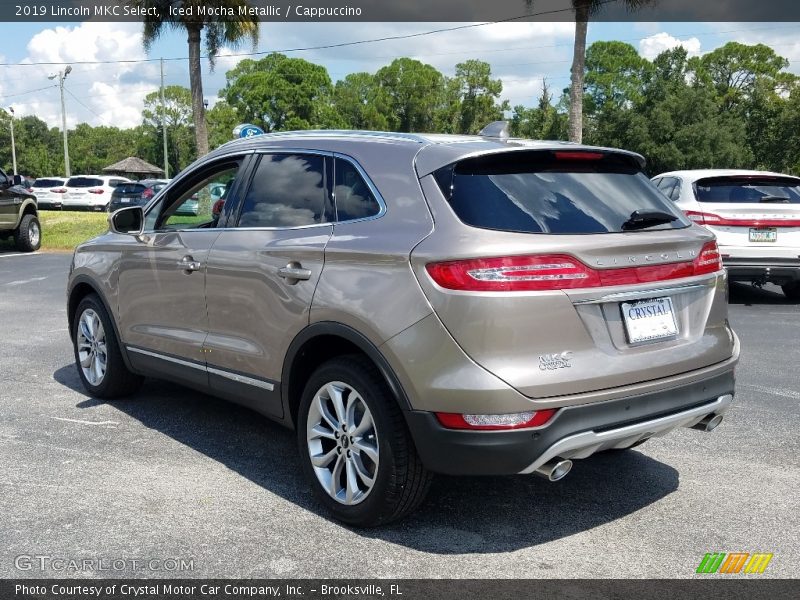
<point>81,287</point>
<point>320,342</point>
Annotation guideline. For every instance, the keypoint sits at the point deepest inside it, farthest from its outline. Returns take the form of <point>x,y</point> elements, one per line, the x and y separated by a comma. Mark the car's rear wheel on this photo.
<point>97,354</point>
<point>28,236</point>
<point>792,290</point>
<point>355,447</point>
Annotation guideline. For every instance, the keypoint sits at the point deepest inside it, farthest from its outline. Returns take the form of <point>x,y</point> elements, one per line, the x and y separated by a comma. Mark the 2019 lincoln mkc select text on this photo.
<point>415,304</point>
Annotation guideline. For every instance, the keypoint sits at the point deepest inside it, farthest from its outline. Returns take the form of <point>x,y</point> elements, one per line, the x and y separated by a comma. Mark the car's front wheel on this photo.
<point>28,236</point>
<point>792,290</point>
<point>355,447</point>
<point>97,354</point>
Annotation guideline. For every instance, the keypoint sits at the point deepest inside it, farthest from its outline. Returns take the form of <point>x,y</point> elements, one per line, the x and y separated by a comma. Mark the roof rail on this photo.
<point>496,129</point>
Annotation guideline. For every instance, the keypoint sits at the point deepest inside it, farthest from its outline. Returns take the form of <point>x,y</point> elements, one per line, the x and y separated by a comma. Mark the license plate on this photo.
<point>649,320</point>
<point>764,235</point>
<point>125,200</point>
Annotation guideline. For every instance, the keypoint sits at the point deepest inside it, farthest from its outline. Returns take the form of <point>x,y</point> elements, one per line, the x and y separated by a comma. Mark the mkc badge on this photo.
<point>550,362</point>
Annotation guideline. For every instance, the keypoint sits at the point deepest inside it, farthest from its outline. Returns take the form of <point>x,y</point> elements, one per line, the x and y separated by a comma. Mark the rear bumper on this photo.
<point>574,432</point>
<point>777,270</point>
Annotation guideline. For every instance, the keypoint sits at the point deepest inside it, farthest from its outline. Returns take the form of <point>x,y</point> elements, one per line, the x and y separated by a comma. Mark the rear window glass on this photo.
<point>47,183</point>
<point>130,188</point>
<point>84,182</point>
<point>748,190</point>
<point>354,199</point>
<point>555,192</point>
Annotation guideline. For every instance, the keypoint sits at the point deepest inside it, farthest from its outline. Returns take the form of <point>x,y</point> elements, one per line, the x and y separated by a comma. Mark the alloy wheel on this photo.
<point>91,343</point>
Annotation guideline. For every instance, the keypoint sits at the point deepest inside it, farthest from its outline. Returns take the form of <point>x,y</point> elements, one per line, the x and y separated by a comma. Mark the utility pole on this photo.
<point>164,122</point>
<point>13,145</point>
<point>62,75</point>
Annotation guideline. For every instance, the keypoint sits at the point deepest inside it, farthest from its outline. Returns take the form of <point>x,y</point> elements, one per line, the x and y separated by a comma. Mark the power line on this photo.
<point>47,87</point>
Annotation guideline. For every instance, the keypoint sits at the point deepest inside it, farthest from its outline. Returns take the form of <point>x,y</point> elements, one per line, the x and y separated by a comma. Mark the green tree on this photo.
<point>478,94</point>
<point>281,93</point>
<point>584,9</point>
<point>177,117</point>
<point>542,122</point>
<point>414,94</point>
<point>222,119</point>
<point>360,102</point>
<point>225,31</point>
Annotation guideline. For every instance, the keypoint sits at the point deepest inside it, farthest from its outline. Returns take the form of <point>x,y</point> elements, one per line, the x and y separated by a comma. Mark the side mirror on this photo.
<point>16,180</point>
<point>127,221</point>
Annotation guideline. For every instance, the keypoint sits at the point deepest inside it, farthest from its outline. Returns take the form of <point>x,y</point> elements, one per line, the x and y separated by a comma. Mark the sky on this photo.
<point>521,54</point>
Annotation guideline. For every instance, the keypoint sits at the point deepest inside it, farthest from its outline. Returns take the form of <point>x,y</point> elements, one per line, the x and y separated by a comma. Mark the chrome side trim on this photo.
<point>582,445</point>
<point>166,357</point>
<point>642,294</point>
<point>265,385</point>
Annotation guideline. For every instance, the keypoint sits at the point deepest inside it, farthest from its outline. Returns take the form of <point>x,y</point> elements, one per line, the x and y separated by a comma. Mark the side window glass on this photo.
<point>194,206</point>
<point>353,198</point>
<point>675,193</point>
<point>288,190</point>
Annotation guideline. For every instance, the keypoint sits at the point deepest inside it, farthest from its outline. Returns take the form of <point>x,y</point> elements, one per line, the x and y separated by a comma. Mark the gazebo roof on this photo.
<point>133,166</point>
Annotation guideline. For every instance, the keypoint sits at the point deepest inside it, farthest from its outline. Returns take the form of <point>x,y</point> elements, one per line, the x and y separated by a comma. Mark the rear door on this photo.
<point>750,211</point>
<point>569,272</point>
<point>262,273</point>
<point>9,201</point>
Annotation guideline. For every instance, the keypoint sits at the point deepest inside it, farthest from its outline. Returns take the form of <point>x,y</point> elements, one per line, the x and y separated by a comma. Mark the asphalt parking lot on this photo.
<point>172,474</point>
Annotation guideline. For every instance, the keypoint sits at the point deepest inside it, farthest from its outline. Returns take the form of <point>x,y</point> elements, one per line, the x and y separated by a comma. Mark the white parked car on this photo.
<point>49,192</point>
<point>90,192</point>
<point>755,216</point>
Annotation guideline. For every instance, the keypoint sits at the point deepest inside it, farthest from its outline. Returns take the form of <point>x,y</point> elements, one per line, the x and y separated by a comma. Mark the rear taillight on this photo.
<point>709,260</point>
<point>577,155</point>
<point>59,190</point>
<point>523,420</point>
<point>147,193</point>
<point>95,191</point>
<point>560,272</point>
<point>705,218</point>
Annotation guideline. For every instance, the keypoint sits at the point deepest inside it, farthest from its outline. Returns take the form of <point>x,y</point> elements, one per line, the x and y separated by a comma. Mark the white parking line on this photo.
<point>24,281</point>
<point>775,391</point>
<point>18,255</point>
<point>85,422</point>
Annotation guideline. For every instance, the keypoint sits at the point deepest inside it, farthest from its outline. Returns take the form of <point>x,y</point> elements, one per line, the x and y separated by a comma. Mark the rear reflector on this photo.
<point>560,272</point>
<point>704,218</point>
<point>521,420</point>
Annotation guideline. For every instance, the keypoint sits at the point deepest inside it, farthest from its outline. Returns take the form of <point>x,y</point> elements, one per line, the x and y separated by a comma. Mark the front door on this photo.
<point>9,203</point>
<point>162,304</point>
<point>262,273</point>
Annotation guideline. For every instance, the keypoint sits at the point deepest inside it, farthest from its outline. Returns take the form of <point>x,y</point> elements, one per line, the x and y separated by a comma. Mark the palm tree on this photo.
<point>584,9</point>
<point>228,28</point>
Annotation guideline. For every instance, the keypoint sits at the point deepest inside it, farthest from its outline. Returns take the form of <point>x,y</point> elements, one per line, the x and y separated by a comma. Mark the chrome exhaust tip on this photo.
<point>709,423</point>
<point>555,469</point>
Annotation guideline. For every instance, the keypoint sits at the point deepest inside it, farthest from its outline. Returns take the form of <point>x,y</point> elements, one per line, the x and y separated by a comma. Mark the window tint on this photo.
<point>668,186</point>
<point>352,195</point>
<point>552,192</point>
<point>84,182</point>
<point>129,188</point>
<point>48,183</point>
<point>749,190</point>
<point>190,205</point>
<point>288,190</point>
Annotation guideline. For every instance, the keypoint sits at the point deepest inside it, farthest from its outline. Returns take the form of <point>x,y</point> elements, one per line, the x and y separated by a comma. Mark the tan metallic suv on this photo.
<point>413,304</point>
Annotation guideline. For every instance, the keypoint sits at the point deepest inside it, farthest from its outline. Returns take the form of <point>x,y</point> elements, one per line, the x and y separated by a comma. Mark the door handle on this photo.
<point>294,271</point>
<point>189,264</point>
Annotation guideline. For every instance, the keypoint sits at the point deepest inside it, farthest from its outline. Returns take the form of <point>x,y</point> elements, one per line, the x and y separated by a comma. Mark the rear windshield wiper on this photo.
<point>642,219</point>
<point>774,199</point>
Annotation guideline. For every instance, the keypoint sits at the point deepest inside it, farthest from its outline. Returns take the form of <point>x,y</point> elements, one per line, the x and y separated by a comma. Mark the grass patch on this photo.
<point>63,230</point>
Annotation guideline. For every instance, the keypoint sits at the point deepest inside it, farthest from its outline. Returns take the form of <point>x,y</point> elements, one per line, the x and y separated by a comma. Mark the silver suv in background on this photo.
<point>413,304</point>
<point>755,216</point>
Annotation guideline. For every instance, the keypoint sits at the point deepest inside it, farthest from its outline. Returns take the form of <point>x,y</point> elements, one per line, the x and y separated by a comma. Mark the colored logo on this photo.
<point>734,562</point>
<point>246,130</point>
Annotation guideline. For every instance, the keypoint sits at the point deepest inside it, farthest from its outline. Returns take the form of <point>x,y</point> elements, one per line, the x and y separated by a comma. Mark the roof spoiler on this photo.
<point>496,130</point>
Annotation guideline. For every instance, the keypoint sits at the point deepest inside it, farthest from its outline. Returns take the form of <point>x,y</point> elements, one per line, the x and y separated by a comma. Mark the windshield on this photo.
<point>748,189</point>
<point>569,192</point>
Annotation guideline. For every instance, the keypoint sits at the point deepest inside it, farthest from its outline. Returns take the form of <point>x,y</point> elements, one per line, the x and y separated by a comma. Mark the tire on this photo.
<point>116,380</point>
<point>28,236</point>
<point>792,290</point>
<point>399,479</point>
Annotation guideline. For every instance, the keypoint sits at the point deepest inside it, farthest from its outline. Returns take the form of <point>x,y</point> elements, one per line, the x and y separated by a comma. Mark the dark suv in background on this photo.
<point>19,215</point>
<point>414,304</point>
<point>135,193</point>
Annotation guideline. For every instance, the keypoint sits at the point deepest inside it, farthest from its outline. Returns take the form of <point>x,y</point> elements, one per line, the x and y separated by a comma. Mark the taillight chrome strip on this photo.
<point>642,294</point>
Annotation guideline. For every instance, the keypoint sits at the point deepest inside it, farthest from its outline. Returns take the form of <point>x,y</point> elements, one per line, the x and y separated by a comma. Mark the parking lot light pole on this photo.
<point>62,75</point>
<point>13,144</point>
